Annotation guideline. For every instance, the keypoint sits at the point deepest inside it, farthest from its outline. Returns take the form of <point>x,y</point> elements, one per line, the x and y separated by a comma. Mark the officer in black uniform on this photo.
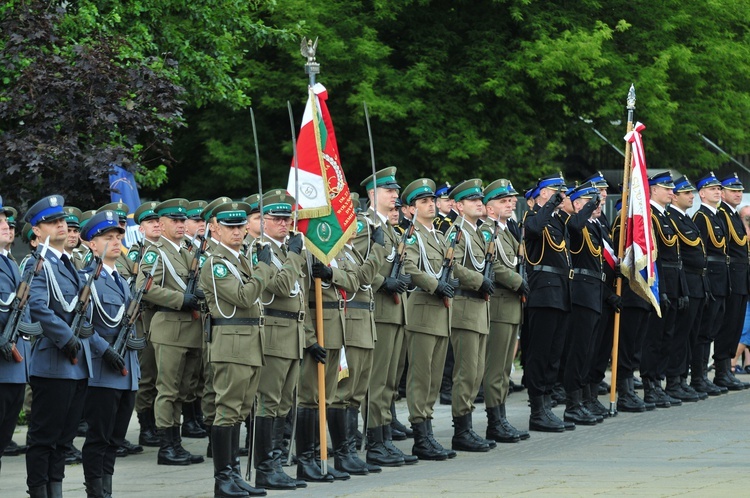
<point>713,233</point>
<point>693,253</point>
<point>725,344</point>
<point>672,294</point>
<point>549,271</point>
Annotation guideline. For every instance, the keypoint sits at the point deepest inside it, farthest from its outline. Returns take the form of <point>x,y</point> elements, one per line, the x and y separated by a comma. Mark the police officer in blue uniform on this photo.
<point>60,363</point>
<point>13,375</point>
<point>111,391</point>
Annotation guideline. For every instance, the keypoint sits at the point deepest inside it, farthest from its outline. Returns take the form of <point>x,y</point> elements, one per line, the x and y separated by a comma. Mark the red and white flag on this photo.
<point>639,260</point>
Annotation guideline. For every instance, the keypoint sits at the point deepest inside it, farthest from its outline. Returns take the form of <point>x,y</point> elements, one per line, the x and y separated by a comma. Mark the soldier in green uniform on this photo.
<point>429,311</point>
<point>284,336</point>
<point>192,414</point>
<point>148,225</point>
<point>175,331</point>
<point>73,218</point>
<point>233,287</point>
<point>506,311</point>
<point>359,337</point>
<point>124,265</point>
<point>470,323</point>
<point>390,318</point>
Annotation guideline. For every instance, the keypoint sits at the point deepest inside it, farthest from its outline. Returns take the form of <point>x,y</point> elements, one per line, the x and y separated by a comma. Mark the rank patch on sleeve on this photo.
<point>360,226</point>
<point>220,270</point>
<point>487,235</point>
<point>149,258</point>
<point>133,255</point>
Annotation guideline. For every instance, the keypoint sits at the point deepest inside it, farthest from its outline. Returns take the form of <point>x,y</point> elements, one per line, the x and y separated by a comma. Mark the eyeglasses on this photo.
<point>278,219</point>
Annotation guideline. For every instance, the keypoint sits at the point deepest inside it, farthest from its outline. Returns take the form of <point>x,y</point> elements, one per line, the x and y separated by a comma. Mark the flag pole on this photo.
<point>312,68</point>
<point>621,249</point>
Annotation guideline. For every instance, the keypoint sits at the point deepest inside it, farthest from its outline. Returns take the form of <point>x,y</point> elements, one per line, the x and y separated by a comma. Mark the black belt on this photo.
<point>169,310</point>
<point>718,259</point>
<point>218,322</point>
<point>330,305</point>
<point>294,315</point>
<point>469,293</point>
<point>554,269</point>
<point>677,266</point>
<point>361,305</point>
<point>738,261</point>
<point>590,273</point>
<point>695,271</point>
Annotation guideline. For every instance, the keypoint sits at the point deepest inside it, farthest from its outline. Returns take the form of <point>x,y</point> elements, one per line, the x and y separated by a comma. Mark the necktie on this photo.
<point>117,281</point>
<point>66,261</point>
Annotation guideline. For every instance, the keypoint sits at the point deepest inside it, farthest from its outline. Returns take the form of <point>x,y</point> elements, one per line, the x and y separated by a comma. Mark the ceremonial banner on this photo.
<point>325,211</point>
<point>124,189</point>
<point>639,260</point>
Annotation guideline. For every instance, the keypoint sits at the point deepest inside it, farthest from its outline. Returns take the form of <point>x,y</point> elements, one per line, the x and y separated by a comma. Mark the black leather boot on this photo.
<point>168,454</point>
<point>190,426</point>
<point>393,449</point>
<point>496,430</point>
<point>237,467</point>
<point>508,427</point>
<point>575,411</point>
<point>652,395</point>
<point>209,449</point>
<point>591,402</point>
<point>549,403</point>
<point>539,419</point>
<point>674,390</point>
<point>431,436</point>
<point>107,485</point>
<point>94,488</point>
<point>148,436</point>
<point>307,468</point>
<point>660,392</point>
<point>398,426</point>
<point>352,415</point>
<point>266,473</point>
<point>54,489</point>
<point>724,377</point>
<point>338,427</point>
<point>224,485</point>
<point>688,388</point>
<point>38,492</point>
<point>279,455</point>
<point>182,451</point>
<point>198,411</point>
<point>462,437</point>
<point>377,453</point>
<point>422,447</point>
<point>627,400</point>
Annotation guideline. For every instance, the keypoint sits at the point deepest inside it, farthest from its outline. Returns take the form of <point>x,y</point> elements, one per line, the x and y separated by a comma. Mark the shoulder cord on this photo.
<point>596,252</point>
<point>711,234</point>
<point>467,249</point>
<point>53,289</point>
<point>9,301</point>
<point>688,242</point>
<point>735,237</point>
<point>236,273</point>
<point>668,241</point>
<point>499,251</point>
<point>168,264</point>
<point>425,261</point>
<point>109,321</point>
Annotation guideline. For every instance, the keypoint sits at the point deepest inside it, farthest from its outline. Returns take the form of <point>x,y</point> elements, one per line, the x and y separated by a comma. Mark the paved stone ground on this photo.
<point>698,449</point>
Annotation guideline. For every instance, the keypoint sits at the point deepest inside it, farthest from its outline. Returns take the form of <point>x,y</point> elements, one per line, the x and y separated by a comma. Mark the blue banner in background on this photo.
<point>123,188</point>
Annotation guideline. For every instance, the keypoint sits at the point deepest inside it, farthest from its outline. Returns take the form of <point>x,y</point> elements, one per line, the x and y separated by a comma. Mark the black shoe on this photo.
<point>224,480</point>
<point>686,387</point>
<point>393,450</point>
<point>190,426</point>
<point>637,383</point>
<point>539,419</point>
<point>558,394</point>
<point>431,436</point>
<point>462,439</point>
<point>422,448</point>
<point>132,449</point>
<point>675,390</point>
<point>627,400</point>
<point>398,426</point>
<point>445,399</point>
<point>168,455</point>
<point>14,449</point>
<point>575,412</point>
<point>121,452</point>
<point>516,388</point>
<point>182,451</point>
<point>602,389</point>
<point>699,384</point>
<point>508,427</point>
<point>377,453</point>
<point>72,455</point>
<point>268,475</point>
<point>307,466</point>
<point>148,436</point>
<point>343,460</point>
<point>592,403</point>
<point>652,395</point>
<point>82,429</point>
<point>496,430</point>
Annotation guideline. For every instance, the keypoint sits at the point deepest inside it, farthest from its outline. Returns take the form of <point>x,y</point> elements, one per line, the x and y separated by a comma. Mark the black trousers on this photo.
<point>580,346</point>
<point>11,401</point>
<point>684,338</point>
<point>107,412</point>
<point>602,346</point>
<point>56,408</point>
<point>546,338</point>
<point>633,323</point>
<point>728,336</point>
<point>656,344</point>
<point>710,323</point>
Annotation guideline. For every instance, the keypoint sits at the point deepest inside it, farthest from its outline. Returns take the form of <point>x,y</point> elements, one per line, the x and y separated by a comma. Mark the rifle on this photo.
<point>125,337</point>
<point>15,326</point>
<point>489,259</point>
<point>398,265</point>
<point>136,268</point>
<point>79,326</point>
<point>195,270</point>
<point>447,267</point>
